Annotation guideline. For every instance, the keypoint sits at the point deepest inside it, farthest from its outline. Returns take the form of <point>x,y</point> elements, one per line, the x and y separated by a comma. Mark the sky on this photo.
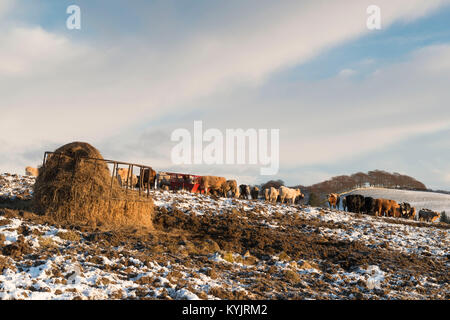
<point>345,98</point>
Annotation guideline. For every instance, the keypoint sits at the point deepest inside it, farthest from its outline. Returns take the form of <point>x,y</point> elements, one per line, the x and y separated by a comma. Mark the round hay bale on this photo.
<point>71,188</point>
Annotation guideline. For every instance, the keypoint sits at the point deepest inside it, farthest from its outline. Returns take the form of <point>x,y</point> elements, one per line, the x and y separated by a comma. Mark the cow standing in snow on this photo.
<point>274,193</point>
<point>333,200</point>
<point>255,193</point>
<point>289,194</point>
<point>231,186</point>
<point>428,215</point>
<point>244,191</point>
<point>213,184</point>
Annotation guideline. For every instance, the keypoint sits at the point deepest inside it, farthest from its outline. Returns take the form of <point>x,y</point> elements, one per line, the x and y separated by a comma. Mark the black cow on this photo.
<point>407,211</point>
<point>369,205</point>
<point>148,178</point>
<point>255,193</point>
<point>244,191</point>
<point>355,203</point>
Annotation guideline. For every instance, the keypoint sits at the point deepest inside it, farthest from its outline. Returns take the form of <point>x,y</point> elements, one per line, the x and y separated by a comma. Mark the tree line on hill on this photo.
<point>316,193</point>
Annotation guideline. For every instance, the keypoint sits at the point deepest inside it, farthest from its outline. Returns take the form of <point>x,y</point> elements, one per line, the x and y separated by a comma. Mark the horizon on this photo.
<point>345,99</point>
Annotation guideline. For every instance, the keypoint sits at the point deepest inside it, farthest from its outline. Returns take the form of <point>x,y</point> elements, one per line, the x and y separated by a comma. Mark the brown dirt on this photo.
<point>17,249</point>
<point>5,263</point>
<point>234,234</point>
<point>189,235</point>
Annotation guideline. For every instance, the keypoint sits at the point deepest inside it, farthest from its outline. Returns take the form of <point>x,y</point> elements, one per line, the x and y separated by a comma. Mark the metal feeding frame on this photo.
<point>116,164</point>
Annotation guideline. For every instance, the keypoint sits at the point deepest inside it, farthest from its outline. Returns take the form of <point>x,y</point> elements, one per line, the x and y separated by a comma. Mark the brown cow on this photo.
<point>428,215</point>
<point>387,207</point>
<point>232,186</point>
<point>30,171</point>
<point>148,178</point>
<point>333,200</point>
<point>213,183</point>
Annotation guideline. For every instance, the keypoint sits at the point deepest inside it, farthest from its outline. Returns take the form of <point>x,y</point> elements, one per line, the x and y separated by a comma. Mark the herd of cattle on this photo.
<point>210,185</point>
<point>221,187</point>
<point>380,207</point>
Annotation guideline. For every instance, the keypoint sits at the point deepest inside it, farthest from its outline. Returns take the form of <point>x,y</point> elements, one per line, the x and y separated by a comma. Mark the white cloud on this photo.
<point>347,73</point>
<point>33,51</point>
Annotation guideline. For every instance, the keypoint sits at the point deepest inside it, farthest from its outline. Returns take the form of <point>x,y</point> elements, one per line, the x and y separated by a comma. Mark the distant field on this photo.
<point>418,199</point>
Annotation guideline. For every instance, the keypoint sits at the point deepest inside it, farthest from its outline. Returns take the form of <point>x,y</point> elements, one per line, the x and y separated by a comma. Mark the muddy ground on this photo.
<point>232,255</point>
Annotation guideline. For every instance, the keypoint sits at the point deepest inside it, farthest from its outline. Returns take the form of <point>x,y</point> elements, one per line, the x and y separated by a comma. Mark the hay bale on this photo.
<point>73,189</point>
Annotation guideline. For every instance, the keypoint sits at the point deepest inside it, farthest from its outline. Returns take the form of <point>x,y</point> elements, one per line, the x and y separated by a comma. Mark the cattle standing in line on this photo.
<point>255,193</point>
<point>30,171</point>
<point>244,191</point>
<point>231,186</point>
<point>387,207</point>
<point>428,215</point>
<point>209,184</point>
<point>355,203</point>
<point>333,200</point>
<point>162,179</point>
<point>369,205</point>
<point>407,211</point>
<point>412,214</point>
<point>148,179</point>
<point>122,175</point>
<point>273,195</point>
<point>289,194</point>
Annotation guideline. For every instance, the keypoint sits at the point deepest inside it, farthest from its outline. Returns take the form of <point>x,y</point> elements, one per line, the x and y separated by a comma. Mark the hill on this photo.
<point>374,178</point>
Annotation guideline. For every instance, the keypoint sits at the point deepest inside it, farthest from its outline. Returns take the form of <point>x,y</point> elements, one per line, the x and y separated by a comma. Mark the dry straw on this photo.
<point>74,189</point>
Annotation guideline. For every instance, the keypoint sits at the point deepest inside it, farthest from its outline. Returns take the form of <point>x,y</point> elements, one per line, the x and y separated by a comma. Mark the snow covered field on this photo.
<point>208,248</point>
<point>14,186</point>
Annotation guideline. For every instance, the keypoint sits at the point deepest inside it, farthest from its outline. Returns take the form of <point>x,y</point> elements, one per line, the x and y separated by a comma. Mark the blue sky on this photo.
<point>386,46</point>
<point>345,99</point>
